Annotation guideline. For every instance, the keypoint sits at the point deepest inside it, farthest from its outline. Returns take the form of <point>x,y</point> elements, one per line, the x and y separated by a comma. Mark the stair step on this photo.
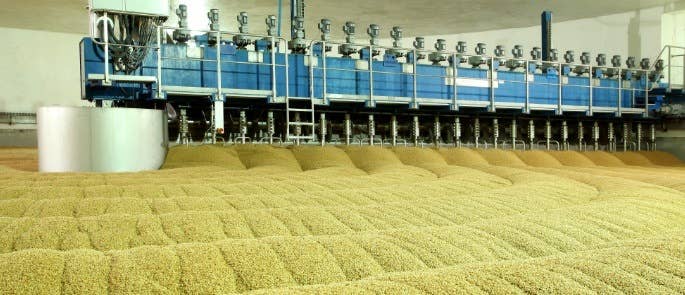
<point>301,137</point>
<point>300,110</point>
<point>301,123</point>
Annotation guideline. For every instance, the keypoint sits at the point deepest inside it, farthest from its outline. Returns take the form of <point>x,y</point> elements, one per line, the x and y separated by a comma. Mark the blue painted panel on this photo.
<point>512,87</point>
<point>432,83</point>
<point>606,97</point>
<point>576,92</point>
<point>473,93</point>
<point>342,78</point>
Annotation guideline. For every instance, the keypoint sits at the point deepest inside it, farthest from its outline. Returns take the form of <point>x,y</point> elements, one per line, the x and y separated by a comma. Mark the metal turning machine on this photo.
<point>246,87</point>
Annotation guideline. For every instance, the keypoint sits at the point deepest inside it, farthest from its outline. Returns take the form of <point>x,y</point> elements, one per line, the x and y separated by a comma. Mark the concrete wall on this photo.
<point>38,68</point>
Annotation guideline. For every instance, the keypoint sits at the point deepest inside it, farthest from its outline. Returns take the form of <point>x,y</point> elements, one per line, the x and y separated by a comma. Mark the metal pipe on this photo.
<point>415,131</point>
<point>159,62</point>
<point>531,132</point>
<point>548,133</point>
<point>436,131</point>
<point>280,17</point>
<point>105,33</point>
<point>271,126</point>
<point>296,11</point>
<point>581,135</point>
<point>527,107</point>
<point>639,136</point>
<point>646,77</point>
<point>669,69</point>
<point>371,129</point>
<point>652,136</point>
<point>298,128</point>
<point>559,98</point>
<point>513,134</point>
<point>591,79</point>
<point>348,129</point>
<point>626,135</point>
<point>393,130</point>
<point>243,127</point>
<point>371,100</point>
<point>414,103</point>
<point>611,137</point>
<point>476,130</point>
<point>620,93</point>
<point>564,134</point>
<point>218,114</point>
<point>325,82</point>
<point>322,128</point>
<point>273,63</point>
<point>311,57</point>
<point>457,132</point>
<point>455,64</point>
<point>595,135</point>
<point>495,131</point>
<point>491,73</point>
<point>546,24</point>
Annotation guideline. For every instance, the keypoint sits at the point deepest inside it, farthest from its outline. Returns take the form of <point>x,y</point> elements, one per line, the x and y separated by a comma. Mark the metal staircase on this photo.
<point>300,125</point>
<point>669,98</point>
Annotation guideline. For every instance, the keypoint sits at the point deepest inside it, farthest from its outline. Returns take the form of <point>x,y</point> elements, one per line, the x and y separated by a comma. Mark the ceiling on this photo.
<point>437,17</point>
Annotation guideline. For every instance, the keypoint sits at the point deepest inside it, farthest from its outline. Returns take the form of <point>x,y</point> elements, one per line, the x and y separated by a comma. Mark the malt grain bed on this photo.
<point>354,219</point>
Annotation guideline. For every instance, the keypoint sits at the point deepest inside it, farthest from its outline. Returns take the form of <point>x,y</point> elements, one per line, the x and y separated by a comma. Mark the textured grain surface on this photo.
<point>347,220</point>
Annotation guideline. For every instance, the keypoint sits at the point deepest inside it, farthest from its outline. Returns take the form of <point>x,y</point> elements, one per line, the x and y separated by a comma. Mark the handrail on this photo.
<point>277,42</point>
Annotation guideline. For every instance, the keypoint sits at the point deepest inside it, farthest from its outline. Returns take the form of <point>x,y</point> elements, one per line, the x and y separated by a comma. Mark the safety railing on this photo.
<point>490,78</point>
<point>674,66</point>
<point>276,44</point>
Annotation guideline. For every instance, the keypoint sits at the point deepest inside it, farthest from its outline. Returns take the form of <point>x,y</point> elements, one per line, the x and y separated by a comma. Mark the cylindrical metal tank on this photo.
<point>86,139</point>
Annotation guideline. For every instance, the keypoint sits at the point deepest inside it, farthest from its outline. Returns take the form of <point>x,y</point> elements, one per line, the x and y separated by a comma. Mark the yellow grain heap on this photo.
<point>633,158</point>
<point>662,158</point>
<point>601,158</point>
<point>572,158</point>
<point>538,158</point>
<point>315,220</point>
<point>501,158</point>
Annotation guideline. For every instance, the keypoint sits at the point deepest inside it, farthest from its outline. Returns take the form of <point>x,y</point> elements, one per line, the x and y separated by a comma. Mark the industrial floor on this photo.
<point>348,220</point>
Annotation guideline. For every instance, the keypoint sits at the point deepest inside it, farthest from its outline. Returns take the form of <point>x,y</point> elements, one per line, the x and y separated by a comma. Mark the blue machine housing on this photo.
<point>249,74</point>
